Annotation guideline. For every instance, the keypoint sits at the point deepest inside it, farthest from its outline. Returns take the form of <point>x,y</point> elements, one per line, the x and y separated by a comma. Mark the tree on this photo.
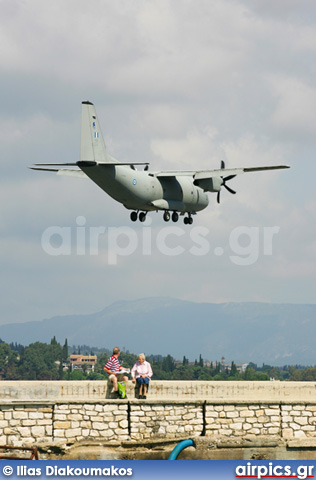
<point>65,351</point>
<point>40,361</point>
<point>8,361</point>
<point>201,363</point>
<point>250,373</point>
<point>168,364</point>
<point>60,369</point>
<point>233,369</point>
<point>77,375</point>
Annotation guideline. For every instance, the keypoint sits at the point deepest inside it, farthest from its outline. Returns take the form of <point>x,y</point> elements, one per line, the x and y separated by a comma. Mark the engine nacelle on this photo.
<point>212,184</point>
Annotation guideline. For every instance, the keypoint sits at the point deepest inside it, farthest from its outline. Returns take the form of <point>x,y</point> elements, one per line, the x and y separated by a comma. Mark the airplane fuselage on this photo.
<point>142,190</point>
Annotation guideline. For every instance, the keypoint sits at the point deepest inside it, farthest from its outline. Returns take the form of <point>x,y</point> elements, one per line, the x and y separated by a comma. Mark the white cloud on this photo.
<point>295,105</point>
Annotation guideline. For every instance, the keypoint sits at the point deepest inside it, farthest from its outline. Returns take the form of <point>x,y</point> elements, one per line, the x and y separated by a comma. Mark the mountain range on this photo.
<point>275,334</point>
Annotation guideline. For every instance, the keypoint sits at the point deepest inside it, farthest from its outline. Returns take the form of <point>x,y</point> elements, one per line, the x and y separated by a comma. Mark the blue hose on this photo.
<point>178,448</point>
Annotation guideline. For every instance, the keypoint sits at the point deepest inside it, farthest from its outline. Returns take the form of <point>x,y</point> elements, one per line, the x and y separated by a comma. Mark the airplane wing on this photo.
<point>220,172</point>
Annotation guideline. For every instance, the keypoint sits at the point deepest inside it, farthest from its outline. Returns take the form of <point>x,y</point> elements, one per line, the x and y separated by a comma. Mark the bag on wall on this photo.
<point>121,389</point>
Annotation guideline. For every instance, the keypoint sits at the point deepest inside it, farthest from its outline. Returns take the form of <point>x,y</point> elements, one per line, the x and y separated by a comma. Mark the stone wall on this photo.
<point>27,423</point>
<point>161,390</point>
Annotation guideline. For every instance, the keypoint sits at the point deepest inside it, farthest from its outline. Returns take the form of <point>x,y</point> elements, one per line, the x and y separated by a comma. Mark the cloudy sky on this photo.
<point>182,84</point>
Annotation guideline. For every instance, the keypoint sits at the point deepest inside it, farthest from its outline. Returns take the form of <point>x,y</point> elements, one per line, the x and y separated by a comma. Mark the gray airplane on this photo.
<point>172,192</point>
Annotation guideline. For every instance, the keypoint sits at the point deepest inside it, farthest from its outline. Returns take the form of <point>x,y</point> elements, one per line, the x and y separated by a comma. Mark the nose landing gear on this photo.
<point>188,220</point>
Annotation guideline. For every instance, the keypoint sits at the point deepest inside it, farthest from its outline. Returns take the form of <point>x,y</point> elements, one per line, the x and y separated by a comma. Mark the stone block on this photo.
<point>188,416</point>
<point>74,416</point>
<point>301,420</point>
<point>101,426</point>
<point>287,418</point>
<point>25,431</point>
<point>18,415</point>
<point>287,433</point>
<point>271,411</point>
<point>60,416</point>
<point>246,413</point>
<point>36,415</point>
<point>229,408</point>
<point>38,431</point>
<point>59,433</point>
<point>62,425</point>
<point>273,430</point>
<point>73,432</point>
<point>107,433</point>
<point>29,423</point>
<point>232,414</point>
<point>247,426</point>
<point>308,428</point>
<point>236,426</point>
<point>209,414</point>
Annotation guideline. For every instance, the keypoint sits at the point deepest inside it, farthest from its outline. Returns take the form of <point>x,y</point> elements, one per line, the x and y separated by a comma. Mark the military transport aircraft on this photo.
<point>172,192</point>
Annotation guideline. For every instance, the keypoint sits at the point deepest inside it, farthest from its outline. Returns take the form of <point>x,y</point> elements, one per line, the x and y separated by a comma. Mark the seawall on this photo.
<point>253,413</point>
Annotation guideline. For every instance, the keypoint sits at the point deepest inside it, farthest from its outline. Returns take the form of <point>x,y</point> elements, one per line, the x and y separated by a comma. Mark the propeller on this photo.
<point>225,179</point>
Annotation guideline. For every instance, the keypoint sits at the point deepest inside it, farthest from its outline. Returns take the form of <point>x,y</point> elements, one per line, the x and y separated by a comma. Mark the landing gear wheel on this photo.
<point>134,216</point>
<point>175,217</point>
<point>142,216</point>
<point>188,220</point>
<point>166,216</point>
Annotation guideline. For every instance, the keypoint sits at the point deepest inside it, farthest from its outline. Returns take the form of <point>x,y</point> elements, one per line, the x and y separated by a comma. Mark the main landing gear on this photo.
<point>141,216</point>
<point>175,217</point>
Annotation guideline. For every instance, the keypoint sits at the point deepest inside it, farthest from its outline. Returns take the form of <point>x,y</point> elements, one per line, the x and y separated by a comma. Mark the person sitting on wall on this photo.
<point>142,373</point>
<point>113,369</point>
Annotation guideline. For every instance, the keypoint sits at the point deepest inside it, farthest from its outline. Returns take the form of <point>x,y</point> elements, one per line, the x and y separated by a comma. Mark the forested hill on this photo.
<point>277,334</point>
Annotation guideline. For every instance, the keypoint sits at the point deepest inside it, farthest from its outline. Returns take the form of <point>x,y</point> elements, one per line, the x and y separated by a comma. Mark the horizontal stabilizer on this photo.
<point>62,171</point>
<point>88,163</point>
<point>57,164</point>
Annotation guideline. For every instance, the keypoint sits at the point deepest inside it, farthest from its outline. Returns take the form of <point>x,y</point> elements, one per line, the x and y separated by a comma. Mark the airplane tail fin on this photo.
<point>92,147</point>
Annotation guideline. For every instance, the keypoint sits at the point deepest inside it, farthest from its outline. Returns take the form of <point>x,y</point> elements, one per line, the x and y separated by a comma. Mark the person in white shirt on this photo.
<point>142,373</point>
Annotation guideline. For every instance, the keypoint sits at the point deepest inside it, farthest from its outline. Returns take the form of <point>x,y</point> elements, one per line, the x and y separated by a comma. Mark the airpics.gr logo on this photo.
<point>244,245</point>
